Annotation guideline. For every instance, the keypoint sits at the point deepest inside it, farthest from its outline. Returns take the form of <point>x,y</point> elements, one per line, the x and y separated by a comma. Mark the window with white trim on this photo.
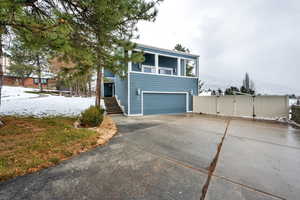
<point>43,81</point>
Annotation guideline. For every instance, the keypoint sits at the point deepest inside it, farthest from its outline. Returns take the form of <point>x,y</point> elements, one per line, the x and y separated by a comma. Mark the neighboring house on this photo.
<point>48,82</point>
<point>32,82</point>
<point>159,85</point>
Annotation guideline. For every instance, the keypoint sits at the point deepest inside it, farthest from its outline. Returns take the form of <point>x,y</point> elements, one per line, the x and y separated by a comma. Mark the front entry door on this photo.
<point>108,89</point>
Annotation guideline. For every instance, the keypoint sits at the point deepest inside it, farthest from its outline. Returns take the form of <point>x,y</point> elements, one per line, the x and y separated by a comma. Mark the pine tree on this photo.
<point>200,86</point>
<point>220,92</point>
<point>179,47</point>
<point>90,33</point>
<point>246,82</point>
<point>28,61</point>
<point>108,28</point>
<point>248,85</point>
<point>32,17</point>
<point>231,90</point>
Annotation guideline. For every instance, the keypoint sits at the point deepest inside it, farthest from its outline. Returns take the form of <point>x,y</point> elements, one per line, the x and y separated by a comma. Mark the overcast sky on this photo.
<point>261,37</point>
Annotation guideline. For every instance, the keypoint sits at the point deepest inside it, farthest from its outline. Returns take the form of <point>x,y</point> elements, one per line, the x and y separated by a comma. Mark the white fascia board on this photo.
<point>166,55</point>
<point>166,50</point>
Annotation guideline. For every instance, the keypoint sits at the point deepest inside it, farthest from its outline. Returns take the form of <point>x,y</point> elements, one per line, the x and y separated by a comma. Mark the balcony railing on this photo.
<point>165,70</point>
<point>148,68</point>
<point>161,70</point>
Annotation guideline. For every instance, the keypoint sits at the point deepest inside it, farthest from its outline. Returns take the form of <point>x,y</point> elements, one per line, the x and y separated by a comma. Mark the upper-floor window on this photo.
<point>167,65</point>
<point>188,67</point>
<point>149,59</point>
<point>149,64</point>
<point>191,68</point>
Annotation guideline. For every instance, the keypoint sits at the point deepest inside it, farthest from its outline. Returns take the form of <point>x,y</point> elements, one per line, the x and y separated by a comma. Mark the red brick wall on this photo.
<point>12,81</point>
<point>28,82</point>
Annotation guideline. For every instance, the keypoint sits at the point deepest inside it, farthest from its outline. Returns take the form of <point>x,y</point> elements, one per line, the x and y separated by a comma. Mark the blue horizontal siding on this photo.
<point>150,82</point>
<point>121,90</point>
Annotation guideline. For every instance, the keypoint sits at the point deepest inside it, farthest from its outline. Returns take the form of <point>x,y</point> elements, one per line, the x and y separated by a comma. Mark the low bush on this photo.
<point>91,117</point>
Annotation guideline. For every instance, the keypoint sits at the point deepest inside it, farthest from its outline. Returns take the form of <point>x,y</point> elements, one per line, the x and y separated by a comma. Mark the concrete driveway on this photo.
<point>176,157</point>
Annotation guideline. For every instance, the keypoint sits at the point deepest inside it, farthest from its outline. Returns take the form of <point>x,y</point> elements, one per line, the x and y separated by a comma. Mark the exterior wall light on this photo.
<point>138,91</point>
<point>191,92</point>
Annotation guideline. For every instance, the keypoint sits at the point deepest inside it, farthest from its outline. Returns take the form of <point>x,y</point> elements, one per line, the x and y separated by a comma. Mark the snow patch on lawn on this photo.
<point>16,102</point>
<point>10,92</point>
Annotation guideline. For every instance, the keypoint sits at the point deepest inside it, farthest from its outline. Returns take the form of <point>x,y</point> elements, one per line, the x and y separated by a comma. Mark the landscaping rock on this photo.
<point>76,124</point>
<point>106,130</point>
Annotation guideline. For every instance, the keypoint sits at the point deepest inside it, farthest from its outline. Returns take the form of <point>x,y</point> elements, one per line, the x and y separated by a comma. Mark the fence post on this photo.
<point>234,105</point>
<point>253,104</point>
<point>218,105</point>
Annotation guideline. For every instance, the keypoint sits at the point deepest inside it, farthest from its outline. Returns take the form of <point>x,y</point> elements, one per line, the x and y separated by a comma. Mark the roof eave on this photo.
<point>167,50</point>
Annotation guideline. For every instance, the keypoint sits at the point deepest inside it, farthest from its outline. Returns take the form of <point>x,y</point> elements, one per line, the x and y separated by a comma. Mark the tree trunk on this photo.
<point>1,67</point>
<point>98,86</point>
<point>77,89</point>
<point>1,73</point>
<point>39,73</point>
<point>23,82</point>
<point>90,87</point>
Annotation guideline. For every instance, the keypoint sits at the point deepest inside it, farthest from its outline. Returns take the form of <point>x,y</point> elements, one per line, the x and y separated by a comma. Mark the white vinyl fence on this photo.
<point>243,106</point>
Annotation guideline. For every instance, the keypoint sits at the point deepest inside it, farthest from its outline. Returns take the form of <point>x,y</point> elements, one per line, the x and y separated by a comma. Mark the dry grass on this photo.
<point>29,144</point>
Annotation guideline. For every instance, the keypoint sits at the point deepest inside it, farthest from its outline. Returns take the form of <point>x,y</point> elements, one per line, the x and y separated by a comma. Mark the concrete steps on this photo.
<point>112,106</point>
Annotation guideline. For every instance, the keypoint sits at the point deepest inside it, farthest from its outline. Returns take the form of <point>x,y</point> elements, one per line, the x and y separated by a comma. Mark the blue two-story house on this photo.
<point>163,84</point>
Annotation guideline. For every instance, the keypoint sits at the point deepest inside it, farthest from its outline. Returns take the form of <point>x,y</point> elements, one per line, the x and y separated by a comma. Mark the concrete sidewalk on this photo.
<point>169,157</point>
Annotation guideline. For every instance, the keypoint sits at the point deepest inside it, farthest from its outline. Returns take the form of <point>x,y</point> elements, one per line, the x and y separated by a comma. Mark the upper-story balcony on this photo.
<point>166,62</point>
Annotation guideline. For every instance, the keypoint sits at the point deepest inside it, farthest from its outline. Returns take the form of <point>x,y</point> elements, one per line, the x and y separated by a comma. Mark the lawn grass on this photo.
<point>29,144</point>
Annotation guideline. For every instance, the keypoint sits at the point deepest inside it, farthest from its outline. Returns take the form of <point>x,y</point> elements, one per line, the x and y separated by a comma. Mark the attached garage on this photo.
<point>164,102</point>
